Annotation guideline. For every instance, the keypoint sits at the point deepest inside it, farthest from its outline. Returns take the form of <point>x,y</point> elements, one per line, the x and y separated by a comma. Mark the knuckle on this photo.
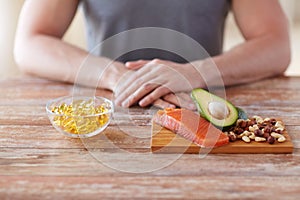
<point>139,81</point>
<point>151,98</point>
<point>168,96</point>
<point>159,92</point>
<point>156,61</point>
<point>163,90</point>
<point>147,86</point>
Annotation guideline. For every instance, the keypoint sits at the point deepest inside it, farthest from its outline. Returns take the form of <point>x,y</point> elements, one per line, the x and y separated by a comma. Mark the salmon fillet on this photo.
<point>191,126</point>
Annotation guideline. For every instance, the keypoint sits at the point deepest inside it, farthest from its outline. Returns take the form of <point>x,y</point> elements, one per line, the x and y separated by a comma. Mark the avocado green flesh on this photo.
<point>203,98</point>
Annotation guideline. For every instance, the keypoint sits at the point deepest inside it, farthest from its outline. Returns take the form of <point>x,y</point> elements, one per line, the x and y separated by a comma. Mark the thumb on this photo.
<point>134,65</point>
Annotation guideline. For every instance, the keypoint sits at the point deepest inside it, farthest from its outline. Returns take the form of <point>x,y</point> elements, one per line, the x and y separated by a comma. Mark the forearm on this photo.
<point>250,61</point>
<point>254,60</point>
<point>51,58</point>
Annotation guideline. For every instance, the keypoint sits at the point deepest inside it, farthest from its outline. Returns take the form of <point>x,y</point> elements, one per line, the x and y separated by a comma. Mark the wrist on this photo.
<point>112,74</point>
<point>208,73</point>
<point>105,79</point>
<point>196,75</point>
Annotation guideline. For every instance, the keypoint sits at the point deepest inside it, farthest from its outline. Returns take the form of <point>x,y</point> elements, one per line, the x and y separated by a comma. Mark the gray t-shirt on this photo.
<point>202,20</point>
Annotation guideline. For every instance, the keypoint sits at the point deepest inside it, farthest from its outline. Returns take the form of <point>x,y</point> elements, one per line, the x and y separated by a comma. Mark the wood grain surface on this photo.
<point>166,141</point>
<point>37,162</point>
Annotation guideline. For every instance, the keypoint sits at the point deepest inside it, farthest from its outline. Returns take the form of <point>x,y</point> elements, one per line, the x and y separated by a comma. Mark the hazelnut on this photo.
<point>232,137</point>
<point>243,124</point>
<point>273,121</point>
<point>267,129</point>
<point>251,122</point>
<point>258,133</point>
<point>238,131</point>
<point>271,140</point>
<point>266,135</point>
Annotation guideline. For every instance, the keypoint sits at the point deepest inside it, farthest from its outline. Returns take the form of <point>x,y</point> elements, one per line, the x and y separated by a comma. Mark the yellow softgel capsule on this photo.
<point>77,117</point>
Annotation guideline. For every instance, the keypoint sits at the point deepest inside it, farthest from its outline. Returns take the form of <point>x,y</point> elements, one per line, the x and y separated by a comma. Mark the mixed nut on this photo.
<point>257,129</point>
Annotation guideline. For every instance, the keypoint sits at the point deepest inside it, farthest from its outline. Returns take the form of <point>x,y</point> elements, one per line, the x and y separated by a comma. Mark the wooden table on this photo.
<point>38,162</point>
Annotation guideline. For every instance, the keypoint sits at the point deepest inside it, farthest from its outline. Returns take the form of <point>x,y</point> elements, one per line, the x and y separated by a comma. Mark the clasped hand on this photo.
<point>157,82</point>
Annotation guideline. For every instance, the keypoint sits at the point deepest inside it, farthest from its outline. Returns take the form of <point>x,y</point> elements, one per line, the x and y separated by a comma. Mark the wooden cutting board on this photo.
<point>165,141</point>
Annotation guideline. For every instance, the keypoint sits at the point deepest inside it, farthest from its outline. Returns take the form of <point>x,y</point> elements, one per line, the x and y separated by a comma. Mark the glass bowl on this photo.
<point>80,116</point>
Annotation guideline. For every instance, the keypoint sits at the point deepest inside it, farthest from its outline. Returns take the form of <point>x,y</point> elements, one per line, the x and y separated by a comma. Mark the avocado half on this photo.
<point>216,110</point>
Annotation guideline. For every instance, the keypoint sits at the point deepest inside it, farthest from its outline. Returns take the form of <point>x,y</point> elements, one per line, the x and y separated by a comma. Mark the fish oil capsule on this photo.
<point>76,117</point>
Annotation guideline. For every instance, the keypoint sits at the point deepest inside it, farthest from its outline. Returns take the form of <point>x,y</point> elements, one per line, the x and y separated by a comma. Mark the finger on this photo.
<point>143,62</point>
<point>171,97</point>
<point>137,90</point>
<point>135,78</point>
<point>141,77</point>
<point>154,95</point>
<point>186,96</point>
<point>139,94</point>
<point>187,100</point>
<point>163,104</point>
<point>181,100</point>
<point>134,65</point>
<point>140,63</point>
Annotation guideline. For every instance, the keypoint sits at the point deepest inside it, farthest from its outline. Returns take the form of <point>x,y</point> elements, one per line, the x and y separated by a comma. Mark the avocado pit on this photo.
<point>218,110</point>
